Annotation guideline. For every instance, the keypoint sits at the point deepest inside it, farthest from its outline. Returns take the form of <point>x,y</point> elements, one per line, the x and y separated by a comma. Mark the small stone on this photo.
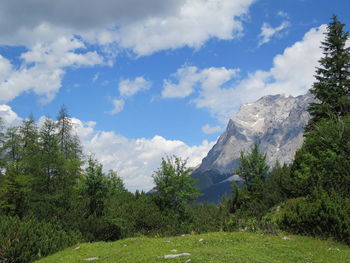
<point>177,255</point>
<point>77,248</point>
<point>91,259</point>
<point>201,240</point>
<point>286,238</point>
<point>336,249</point>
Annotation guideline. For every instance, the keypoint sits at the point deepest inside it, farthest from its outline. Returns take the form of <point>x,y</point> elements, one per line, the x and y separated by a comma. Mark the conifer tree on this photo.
<point>2,153</point>
<point>253,169</point>
<point>332,86</point>
<point>174,186</point>
<point>69,143</point>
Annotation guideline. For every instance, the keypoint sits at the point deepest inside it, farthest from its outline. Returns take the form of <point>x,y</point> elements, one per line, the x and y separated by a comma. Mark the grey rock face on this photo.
<point>275,121</point>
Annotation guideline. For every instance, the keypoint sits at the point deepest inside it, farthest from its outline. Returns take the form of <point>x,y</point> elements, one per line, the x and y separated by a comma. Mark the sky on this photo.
<point>146,79</point>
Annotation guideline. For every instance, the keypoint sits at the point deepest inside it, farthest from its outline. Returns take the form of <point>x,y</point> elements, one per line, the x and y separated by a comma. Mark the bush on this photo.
<point>100,229</point>
<point>320,214</point>
<point>29,239</point>
<point>206,218</point>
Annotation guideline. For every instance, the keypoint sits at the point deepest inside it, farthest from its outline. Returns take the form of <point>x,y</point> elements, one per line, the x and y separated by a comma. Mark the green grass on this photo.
<point>215,247</point>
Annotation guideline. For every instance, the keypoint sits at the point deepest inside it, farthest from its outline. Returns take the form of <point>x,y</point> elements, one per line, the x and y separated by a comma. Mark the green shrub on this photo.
<point>28,239</point>
<point>100,229</point>
<point>320,214</point>
<point>206,218</point>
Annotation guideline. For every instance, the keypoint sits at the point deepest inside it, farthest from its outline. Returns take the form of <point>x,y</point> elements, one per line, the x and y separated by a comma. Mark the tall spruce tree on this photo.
<point>253,169</point>
<point>332,86</point>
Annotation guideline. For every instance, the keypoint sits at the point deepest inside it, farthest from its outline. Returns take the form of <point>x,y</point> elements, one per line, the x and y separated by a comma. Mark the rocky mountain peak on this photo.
<point>275,121</point>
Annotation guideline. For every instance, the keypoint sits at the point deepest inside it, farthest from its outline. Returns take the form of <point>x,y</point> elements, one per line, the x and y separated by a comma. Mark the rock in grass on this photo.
<point>91,259</point>
<point>177,255</point>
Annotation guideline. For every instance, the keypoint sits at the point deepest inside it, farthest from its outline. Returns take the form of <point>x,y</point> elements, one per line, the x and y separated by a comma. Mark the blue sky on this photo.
<point>142,79</point>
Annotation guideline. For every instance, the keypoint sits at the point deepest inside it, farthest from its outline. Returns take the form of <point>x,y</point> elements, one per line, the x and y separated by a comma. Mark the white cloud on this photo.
<point>143,26</point>
<point>8,116</point>
<point>129,87</point>
<point>292,74</point>
<point>54,35</point>
<point>95,77</point>
<point>137,159</point>
<point>283,14</point>
<point>207,129</point>
<point>118,106</point>
<point>267,32</point>
<point>42,68</point>
<point>209,82</point>
<point>85,130</point>
<point>194,23</point>
<point>19,18</point>
<point>187,77</point>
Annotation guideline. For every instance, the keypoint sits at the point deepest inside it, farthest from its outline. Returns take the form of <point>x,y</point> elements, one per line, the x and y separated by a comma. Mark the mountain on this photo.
<point>276,122</point>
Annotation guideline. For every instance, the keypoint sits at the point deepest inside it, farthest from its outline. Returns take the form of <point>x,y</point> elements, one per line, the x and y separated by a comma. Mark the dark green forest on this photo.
<point>53,196</point>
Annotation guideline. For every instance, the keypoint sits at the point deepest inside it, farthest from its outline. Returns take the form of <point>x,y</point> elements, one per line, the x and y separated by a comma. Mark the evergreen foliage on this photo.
<point>252,168</point>
<point>26,240</point>
<point>332,86</point>
<point>320,172</point>
<point>173,185</point>
<point>320,214</point>
<point>324,159</point>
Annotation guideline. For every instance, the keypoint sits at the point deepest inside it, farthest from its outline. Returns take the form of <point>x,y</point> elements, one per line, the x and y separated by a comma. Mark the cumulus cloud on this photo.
<point>42,68</point>
<point>292,73</point>
<point>135,160</point>
<point>54,34</point>
<point>267,32</point>
<point>129,87</point>
<point>207,129</point>
<point>8,116</point>
<point>208,82</point>
<point>187,77</point>
<point>17,18</point>
<point>143,26</point>
<point>118,106</point>
<point>194,23</point>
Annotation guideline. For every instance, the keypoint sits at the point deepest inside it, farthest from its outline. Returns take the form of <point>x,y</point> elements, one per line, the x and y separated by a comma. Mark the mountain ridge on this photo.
<point>276,122</point>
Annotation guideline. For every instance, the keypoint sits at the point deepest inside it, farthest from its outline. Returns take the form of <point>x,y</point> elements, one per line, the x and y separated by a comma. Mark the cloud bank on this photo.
<point>221,90</point>
<point>55,32</point>
<point>135,160</point>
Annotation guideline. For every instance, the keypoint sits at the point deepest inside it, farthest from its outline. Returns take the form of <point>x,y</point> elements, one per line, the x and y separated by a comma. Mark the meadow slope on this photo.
<point>209,247</point>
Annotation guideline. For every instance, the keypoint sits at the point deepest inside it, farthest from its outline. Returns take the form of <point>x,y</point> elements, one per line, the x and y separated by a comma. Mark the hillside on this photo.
<point>212,247</point>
